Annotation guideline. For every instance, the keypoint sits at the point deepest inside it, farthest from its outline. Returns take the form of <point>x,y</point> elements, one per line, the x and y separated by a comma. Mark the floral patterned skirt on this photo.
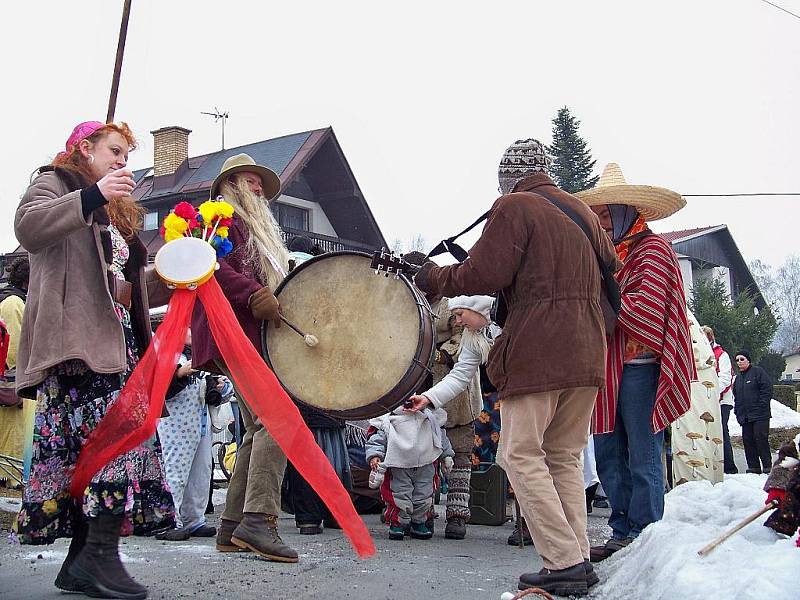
<point>69,405</point>
<point>487,431</point>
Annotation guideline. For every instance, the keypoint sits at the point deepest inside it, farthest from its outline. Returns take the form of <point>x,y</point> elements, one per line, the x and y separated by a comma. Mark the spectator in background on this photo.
<point>752,393</point>
<point>725,375</point>
<point>12,305</point>
<point>186,444</point>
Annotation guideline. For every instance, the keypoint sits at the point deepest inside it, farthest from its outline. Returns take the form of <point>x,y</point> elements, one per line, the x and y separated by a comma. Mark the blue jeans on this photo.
<point>629,458</point>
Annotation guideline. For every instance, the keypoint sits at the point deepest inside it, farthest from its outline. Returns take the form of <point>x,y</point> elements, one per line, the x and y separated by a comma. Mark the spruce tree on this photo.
<point>572,163</point>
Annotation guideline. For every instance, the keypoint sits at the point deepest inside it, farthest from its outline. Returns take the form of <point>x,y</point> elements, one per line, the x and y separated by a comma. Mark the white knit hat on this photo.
<point>480,304</point>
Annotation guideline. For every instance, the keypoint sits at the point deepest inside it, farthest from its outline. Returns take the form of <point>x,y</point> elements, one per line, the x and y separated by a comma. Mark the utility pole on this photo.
<point>123,34</point>
<point>218,116</point>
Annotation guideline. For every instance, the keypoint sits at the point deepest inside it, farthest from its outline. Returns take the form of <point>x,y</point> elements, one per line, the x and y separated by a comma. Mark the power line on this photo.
<point>741,195</point>
<point>788,12</point>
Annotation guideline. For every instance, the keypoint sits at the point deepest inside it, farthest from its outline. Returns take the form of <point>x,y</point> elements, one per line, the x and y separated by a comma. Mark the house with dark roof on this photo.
<point>319,198</point>
<point>707,253</point>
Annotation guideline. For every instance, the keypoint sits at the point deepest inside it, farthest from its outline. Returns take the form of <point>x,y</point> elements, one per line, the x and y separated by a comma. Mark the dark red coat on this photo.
<point>238,282</point>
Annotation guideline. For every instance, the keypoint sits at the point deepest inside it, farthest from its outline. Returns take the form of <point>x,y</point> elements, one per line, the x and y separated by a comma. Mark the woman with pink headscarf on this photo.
<point>84,328</point>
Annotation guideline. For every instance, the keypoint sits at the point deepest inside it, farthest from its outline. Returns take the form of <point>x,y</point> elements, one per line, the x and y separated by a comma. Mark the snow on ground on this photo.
<point>782,417</point>
<point>755,564</point>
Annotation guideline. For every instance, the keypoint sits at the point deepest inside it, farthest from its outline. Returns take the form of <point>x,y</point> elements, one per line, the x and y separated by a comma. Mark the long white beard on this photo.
<point>477,342</point>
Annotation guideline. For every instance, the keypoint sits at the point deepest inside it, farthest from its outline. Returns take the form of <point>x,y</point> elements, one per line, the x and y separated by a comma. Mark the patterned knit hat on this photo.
<point>522,159</point>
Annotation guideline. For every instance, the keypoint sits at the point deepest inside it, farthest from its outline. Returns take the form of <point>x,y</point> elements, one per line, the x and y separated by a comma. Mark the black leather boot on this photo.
<point>98,570</point>
<point>64,581</point>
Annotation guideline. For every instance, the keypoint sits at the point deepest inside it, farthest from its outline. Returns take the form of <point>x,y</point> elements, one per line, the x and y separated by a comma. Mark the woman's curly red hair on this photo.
<point>125,213</point>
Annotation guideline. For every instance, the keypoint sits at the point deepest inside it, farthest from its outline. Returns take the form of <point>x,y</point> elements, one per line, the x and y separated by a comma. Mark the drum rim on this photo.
<point>416,364</point>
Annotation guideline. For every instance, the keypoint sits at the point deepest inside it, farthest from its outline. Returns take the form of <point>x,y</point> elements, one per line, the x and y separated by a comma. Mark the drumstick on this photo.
<point>311,340</point>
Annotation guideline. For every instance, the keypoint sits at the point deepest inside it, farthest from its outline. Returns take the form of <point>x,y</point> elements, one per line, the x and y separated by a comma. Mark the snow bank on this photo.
<point>782,417</point>
<point>755,564</point>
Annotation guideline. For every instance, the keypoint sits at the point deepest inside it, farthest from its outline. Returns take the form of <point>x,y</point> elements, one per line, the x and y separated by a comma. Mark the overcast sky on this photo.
<point>699,96</point>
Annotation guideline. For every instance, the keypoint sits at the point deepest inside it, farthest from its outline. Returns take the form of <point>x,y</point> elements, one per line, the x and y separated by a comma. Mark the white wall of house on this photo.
<point>688,277</point>
<point>792,367</point>
<point>317,220</point>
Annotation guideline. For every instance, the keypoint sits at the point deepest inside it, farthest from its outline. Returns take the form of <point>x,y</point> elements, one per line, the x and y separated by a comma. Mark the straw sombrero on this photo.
<point>243,162</point>
<point>652,202</point>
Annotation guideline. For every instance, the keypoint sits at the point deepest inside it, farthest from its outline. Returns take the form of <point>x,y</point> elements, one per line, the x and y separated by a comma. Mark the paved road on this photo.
<point>481,566</point>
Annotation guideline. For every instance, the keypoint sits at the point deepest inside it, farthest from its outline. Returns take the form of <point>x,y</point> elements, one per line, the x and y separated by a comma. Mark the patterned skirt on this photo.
<point>70,403</point>
<point>487,431</point>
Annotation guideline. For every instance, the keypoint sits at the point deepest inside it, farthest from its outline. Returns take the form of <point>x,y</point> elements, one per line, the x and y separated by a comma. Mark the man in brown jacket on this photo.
<point>549,361</point>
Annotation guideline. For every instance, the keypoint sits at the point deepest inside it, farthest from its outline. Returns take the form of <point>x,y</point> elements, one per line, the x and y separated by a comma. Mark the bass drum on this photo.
<point>375,337</point>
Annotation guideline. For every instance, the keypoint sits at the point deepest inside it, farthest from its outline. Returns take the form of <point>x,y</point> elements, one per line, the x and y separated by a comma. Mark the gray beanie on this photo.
<point>522,159</point>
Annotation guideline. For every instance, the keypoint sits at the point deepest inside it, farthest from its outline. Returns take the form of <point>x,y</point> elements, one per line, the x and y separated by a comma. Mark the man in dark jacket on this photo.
<point>752,393</point>
<point>549,361</point>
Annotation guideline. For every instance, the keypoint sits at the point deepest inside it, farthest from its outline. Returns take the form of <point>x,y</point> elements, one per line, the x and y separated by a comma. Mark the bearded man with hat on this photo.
<point>650,366</point>
<point>548,362</point>
<point>258,263</point>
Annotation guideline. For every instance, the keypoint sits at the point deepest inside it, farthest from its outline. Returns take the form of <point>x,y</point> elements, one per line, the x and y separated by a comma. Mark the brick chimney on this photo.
<point>170,149</point>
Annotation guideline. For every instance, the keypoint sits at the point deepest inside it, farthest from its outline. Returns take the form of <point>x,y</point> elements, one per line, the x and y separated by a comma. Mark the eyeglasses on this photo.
<point>740,359</point>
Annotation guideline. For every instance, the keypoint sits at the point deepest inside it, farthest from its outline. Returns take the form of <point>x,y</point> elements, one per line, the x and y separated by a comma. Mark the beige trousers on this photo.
<point>255,486</point>
<point>543,438</point>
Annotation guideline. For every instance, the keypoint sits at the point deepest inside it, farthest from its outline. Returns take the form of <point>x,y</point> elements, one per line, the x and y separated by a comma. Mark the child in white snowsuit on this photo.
<point>408,445</point>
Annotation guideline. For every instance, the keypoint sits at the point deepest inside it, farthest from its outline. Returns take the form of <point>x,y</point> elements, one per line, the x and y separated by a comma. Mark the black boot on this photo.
<point>64,581</point>
<point>98,571</point>
<point>563,582</point>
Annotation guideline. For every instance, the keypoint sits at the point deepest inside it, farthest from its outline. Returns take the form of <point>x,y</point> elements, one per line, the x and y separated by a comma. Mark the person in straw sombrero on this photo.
<point>649,366</point>
<point>258,263</point>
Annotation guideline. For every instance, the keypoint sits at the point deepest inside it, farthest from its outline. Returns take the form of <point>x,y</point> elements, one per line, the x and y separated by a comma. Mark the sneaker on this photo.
<point>456,528</point>
<point>420,531</point>
<point>204,531</point>
<point>600,502</point>
<point>179,534</point>
<point>397,532</point>
<point>562,582</point>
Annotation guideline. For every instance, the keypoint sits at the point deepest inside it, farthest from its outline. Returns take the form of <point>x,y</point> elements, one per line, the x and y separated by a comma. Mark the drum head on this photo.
<point>369,333</point>
<point>186,262</point>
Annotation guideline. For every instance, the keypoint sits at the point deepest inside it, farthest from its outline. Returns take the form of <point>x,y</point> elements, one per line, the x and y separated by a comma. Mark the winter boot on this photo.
<point>224,543</point>
<point>520,536</point>
<point>591,576</point>
<point>456,528</point>
<point>420,531</point>
<point>397,532</point>
<point>562,582</point>
<point>98,570</point>
<point>259,532</point>
<point>64,581</point>
<point>600,553</point>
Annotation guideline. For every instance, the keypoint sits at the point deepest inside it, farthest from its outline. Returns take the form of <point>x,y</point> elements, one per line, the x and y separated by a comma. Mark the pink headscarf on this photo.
<point>81,132</point>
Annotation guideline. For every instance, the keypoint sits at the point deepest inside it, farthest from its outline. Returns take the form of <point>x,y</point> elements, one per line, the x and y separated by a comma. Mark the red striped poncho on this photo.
<point>653,313</point>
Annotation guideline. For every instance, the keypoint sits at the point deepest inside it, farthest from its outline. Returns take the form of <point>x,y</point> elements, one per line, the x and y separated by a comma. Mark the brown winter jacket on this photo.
<point>69,313</point>
<point>554,336</point>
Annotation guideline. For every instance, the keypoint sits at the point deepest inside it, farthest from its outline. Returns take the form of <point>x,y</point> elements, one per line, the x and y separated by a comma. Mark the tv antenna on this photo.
<point>223,116</point>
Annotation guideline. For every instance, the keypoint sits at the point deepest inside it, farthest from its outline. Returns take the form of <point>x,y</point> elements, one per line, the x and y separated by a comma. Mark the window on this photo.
<point>151,221</point>
<point>291,217</point>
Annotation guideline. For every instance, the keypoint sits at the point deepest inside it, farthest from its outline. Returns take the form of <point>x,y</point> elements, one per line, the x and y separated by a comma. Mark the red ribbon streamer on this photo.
<point>133,417</point>
<point>276,411</point>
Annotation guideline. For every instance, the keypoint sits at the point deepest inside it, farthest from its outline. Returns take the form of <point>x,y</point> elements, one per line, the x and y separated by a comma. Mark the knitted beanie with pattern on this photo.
<point>522,159</point>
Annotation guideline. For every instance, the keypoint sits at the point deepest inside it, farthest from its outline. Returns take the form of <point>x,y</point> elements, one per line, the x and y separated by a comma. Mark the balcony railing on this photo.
<point>326,242</point>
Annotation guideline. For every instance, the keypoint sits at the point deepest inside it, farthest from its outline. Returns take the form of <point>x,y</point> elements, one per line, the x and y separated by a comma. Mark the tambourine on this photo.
<point>186,263</point>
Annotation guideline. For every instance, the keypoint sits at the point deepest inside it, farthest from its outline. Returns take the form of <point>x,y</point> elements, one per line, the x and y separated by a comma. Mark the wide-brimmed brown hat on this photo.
<point>244,163</point>
<point>652,202</point>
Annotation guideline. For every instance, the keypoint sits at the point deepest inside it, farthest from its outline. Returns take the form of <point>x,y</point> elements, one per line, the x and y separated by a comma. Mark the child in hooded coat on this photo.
<point>407,446</point>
